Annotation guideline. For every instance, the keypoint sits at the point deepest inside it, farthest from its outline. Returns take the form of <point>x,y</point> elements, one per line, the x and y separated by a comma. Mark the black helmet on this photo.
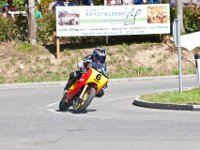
<point>99,55</point>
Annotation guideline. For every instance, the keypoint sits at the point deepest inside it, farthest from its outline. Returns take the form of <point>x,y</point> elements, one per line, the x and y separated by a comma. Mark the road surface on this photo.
<point>30,120</point>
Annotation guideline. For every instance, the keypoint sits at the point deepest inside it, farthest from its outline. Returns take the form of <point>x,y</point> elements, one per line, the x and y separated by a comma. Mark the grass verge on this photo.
<point>186,97</point>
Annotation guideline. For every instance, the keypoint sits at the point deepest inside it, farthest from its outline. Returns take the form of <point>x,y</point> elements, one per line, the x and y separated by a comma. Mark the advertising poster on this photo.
<point>112,20</point>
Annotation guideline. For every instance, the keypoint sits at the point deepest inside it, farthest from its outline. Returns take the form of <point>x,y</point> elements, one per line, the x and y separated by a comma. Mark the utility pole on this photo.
<point>179,9</point>
<point>31,22</point>
<point>178,39</point>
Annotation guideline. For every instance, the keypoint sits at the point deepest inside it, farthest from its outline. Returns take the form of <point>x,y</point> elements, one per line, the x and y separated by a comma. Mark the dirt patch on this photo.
<point>39,64</point>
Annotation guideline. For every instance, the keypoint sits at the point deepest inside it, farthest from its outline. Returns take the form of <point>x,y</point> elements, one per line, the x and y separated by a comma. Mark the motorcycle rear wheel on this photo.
<point>63,105</point>
<point>81,104</point>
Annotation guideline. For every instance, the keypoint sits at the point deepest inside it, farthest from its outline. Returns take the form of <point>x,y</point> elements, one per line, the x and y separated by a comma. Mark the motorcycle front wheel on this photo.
<point>63,105</point>
<point>80,105</point>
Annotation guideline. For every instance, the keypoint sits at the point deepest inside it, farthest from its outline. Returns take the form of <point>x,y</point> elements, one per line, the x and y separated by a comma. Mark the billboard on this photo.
<point>112,20</point>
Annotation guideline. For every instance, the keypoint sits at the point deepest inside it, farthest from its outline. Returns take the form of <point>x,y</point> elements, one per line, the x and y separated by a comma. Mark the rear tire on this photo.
<point>63,105</point>
<point>90,93</point>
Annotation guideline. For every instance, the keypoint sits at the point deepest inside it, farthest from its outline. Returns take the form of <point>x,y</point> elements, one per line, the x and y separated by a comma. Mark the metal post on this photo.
<point>197,62</point>
<point>179,20</point>
<point>177,41</point>
<point>105,3</point>
<point>179,54</point>
<point>179,12</point>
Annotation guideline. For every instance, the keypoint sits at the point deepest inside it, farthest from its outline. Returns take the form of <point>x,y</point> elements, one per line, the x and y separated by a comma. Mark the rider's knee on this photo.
<point>71,75</point>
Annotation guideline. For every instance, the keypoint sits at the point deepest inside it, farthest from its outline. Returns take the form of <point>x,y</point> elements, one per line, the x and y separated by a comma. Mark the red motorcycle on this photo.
<point>84,89</point>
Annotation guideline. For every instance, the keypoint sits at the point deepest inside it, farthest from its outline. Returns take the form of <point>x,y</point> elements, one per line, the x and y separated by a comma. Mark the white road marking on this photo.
<point>52,104</point>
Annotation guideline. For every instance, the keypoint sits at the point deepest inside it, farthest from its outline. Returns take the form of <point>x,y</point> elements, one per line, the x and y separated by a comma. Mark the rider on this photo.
<point>98,56</point>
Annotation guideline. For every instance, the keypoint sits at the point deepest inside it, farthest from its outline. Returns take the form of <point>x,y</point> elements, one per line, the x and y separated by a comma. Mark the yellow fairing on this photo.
<point>97,78</point>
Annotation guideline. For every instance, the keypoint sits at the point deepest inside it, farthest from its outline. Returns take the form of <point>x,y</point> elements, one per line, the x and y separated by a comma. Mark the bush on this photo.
<point>5,29</point>
<point>11,29</point>
<point>20,28</point>
<point>19,4</point>
<point>172,17</point>
<point>2,2</point>
<point>45,27</point>
<point>191,19</point>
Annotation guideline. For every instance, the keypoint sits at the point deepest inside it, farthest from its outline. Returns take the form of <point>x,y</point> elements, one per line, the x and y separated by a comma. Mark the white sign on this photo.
<point>112,20</point>
<point>190,41</point>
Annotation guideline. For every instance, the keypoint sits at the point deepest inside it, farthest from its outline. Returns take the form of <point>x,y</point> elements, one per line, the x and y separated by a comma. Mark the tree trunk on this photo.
<point>31,22</point>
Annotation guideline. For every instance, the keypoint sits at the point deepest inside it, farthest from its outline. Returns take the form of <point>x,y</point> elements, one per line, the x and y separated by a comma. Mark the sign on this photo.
<point>112,20</point>
<point>190,41</point>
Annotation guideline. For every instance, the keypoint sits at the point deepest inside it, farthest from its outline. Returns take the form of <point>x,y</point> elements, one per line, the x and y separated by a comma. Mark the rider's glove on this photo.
<point>81,64</point>
<point>87,62</point>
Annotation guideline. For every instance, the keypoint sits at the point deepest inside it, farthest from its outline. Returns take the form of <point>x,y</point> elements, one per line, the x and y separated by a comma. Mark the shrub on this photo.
<point>13,29</point>
<point>5,29</point>
<point>2,2</point>
<point>172,17</point>
<point>19,4</point>
<point>191,19</point>
<point>20,28</point>
<point>45,27</point>
<point>45,4</point>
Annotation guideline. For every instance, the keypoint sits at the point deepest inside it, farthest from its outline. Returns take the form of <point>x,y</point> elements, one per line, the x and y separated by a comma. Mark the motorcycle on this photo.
<point>84,89</point>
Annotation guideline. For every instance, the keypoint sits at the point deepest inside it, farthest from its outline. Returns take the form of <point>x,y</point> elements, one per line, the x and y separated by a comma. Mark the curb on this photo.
<point>153,105</point>
<point>30,84</point>
<point>58,83</point>
<point>151,78</point>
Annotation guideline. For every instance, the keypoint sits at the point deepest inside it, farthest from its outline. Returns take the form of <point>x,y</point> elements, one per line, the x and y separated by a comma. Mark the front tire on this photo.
<point>63,105</point>
<point>81,104</point>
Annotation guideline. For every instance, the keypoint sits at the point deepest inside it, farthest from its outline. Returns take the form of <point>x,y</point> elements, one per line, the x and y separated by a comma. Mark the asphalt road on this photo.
<point>29,120</point>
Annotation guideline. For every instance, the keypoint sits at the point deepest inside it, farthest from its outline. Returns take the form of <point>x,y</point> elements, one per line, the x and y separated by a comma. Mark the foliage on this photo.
<point>19,4</point>
<point>5,29</point>
<point>45,3</point>
<point>99,2</point>
<point>191,19</point>
<point>2,2</point>
<point>12,29</point>
<point>20,28</point>
<point>172,16</point>
<point>2,79</point>
<point>45,27</point>
<point>25,47</point>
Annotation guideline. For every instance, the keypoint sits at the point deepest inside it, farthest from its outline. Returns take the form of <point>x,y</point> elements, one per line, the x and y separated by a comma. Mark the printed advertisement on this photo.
<point>112,20</point>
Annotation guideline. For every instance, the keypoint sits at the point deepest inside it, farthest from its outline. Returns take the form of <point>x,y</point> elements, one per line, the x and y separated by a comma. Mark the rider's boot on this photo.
<point>101,93</point>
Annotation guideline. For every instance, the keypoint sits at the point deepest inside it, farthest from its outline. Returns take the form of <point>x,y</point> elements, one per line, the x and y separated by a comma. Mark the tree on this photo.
<point>31,22</point>
<point>179,9</point>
